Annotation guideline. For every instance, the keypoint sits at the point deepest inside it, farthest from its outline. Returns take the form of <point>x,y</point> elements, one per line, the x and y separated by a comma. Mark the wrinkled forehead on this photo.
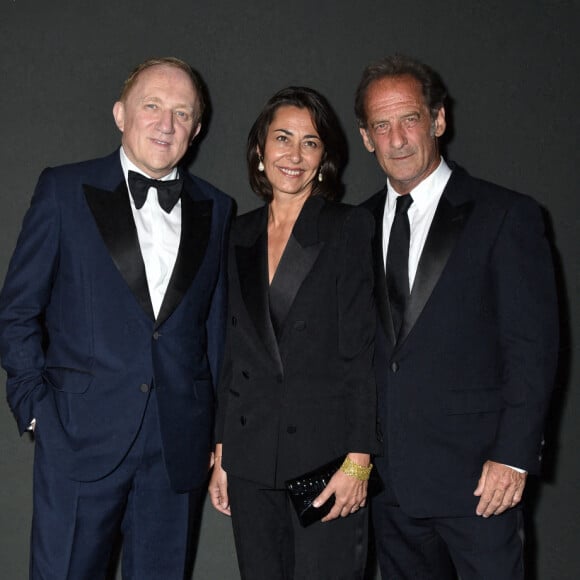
<point>396,88</point>
<point>163,78</point>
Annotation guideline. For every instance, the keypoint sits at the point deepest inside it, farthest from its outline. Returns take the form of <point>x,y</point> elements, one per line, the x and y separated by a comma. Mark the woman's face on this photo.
<point>292,153</point>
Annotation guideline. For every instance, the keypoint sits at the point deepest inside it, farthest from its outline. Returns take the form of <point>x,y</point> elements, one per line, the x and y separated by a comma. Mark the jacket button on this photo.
<point>246,375</point>
<point>144,388</point>
<point>242,420</point>
<point>395,366</point>
<point>156,335</point>
<point>299,325</point>
<point>291,429</point>
<point>234,321</point>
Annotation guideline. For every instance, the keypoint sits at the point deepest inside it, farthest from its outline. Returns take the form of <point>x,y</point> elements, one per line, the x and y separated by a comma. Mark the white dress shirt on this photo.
<point>159,234</point>
<point>426,197</point>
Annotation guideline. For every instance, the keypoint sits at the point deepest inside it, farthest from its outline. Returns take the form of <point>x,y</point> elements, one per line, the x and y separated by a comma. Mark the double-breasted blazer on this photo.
<point>470,375</point>
<point>297,388</point>
<point>78,337</point>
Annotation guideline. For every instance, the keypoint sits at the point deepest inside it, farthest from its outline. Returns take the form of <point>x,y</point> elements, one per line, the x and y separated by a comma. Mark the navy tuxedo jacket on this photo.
<point>470,375</point>
<point>78,338</point>
<point>298,389</point>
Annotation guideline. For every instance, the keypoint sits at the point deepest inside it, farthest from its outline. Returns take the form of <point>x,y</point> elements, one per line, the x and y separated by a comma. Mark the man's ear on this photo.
<point>195,133</point>
<point>368,143</point>
<point>119,115</point>
<point>440,124</point>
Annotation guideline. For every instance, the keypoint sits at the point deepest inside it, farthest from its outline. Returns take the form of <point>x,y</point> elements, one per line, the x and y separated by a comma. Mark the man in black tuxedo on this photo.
<point>466,343</point>
<point>112,321</point>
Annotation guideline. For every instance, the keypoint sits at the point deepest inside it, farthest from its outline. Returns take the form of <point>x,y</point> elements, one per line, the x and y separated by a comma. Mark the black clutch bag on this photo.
<point>305,489</point>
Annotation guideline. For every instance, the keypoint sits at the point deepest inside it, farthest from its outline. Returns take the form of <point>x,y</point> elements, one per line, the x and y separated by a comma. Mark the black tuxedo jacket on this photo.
<point>78,337</point>
<point>470,376</point>
<point>297,388</point>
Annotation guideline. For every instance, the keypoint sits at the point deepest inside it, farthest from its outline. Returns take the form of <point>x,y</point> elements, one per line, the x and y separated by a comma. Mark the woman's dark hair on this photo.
<point>326,123</point>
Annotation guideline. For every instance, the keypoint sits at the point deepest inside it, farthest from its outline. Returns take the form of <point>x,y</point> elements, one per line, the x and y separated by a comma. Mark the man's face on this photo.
<point>401,132</point>
<point>158,119</point>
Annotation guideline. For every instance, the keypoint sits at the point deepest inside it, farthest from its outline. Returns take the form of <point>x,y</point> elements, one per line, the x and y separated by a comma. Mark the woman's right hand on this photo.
<point>218,484</point>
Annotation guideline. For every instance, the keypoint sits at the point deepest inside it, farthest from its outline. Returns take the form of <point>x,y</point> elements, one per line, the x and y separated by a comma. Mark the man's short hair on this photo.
<point>399,65</point>
<point>174,62</point>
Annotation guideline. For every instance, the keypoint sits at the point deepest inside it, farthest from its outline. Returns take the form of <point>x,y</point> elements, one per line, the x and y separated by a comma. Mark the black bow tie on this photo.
<point>168,192</point>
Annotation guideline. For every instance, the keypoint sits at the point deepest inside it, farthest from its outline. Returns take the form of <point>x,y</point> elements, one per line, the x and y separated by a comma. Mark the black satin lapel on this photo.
<point>294,266</point>
<point>252,264</point>
<point>448,223</point>
<point>381,290</point>
<point>195,232</point>
<point>112,213</point>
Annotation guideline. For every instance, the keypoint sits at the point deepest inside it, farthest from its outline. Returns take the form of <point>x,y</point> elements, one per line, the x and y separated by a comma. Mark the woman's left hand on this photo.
<point>350,493</point>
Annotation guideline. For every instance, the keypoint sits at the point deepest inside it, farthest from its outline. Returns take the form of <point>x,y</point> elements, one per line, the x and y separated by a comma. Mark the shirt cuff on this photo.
<point>516,468</point>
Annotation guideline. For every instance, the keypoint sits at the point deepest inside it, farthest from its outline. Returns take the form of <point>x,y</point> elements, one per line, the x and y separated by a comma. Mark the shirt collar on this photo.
<point>427,192</point>
<point>128,165</point>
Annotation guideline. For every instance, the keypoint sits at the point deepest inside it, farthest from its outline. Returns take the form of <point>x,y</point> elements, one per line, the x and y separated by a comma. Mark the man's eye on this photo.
<point>410,121</point>
<point>183,115</point>
<point>381,127</point>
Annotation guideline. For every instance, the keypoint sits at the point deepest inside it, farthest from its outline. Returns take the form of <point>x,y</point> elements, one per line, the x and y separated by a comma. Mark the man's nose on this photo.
<point>165,123</point>
<point>398,137</point>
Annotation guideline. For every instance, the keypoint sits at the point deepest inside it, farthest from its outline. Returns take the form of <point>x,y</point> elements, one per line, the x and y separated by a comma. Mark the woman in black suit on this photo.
<point>297,387</point>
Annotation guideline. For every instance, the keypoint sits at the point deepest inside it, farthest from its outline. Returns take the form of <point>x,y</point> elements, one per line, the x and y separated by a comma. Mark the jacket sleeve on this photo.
<point>24,298</point>
<point>357,319</point>
<point>216,321</point>
<point>225,375</point>
<point>527,317</point>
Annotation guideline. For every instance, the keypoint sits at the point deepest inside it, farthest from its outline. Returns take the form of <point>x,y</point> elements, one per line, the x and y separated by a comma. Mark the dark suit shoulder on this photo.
<point>66,182</point>
<point>246,227</point>
<point>342,213</point>
<point>84,168</point>
<point>211,190</point>
<point>377,199</point>
<point>461,183</point>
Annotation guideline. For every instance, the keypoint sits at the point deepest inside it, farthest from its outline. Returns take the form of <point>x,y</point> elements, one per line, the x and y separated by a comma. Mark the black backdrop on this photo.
<point>511,67</point>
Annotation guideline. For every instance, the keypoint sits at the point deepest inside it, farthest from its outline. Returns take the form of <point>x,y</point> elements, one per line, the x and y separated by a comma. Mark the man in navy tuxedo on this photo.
<point>111,331</point>
<point>466,342</point>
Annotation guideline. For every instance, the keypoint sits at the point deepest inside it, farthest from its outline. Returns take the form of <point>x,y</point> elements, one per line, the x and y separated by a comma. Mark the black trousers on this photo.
<point>272,545</point>
<point>439,548</point>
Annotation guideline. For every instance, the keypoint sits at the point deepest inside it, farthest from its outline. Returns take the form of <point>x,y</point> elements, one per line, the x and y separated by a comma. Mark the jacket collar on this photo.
<point>111,210</point>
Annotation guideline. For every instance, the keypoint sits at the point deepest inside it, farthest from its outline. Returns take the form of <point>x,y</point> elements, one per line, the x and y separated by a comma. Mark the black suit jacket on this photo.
<point>78,337</point>
<point>470,376</point>
<point>294,397</point>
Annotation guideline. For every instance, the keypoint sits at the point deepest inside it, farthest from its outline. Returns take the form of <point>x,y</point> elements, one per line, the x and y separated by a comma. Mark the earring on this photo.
<point>320,178</point>
<point>261,164</point>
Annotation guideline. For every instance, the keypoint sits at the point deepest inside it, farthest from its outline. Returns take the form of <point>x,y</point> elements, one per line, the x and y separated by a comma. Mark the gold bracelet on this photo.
<point>355,470</point>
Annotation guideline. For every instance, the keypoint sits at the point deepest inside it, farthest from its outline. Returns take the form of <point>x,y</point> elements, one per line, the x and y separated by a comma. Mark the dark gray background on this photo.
<point>511,67</point>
